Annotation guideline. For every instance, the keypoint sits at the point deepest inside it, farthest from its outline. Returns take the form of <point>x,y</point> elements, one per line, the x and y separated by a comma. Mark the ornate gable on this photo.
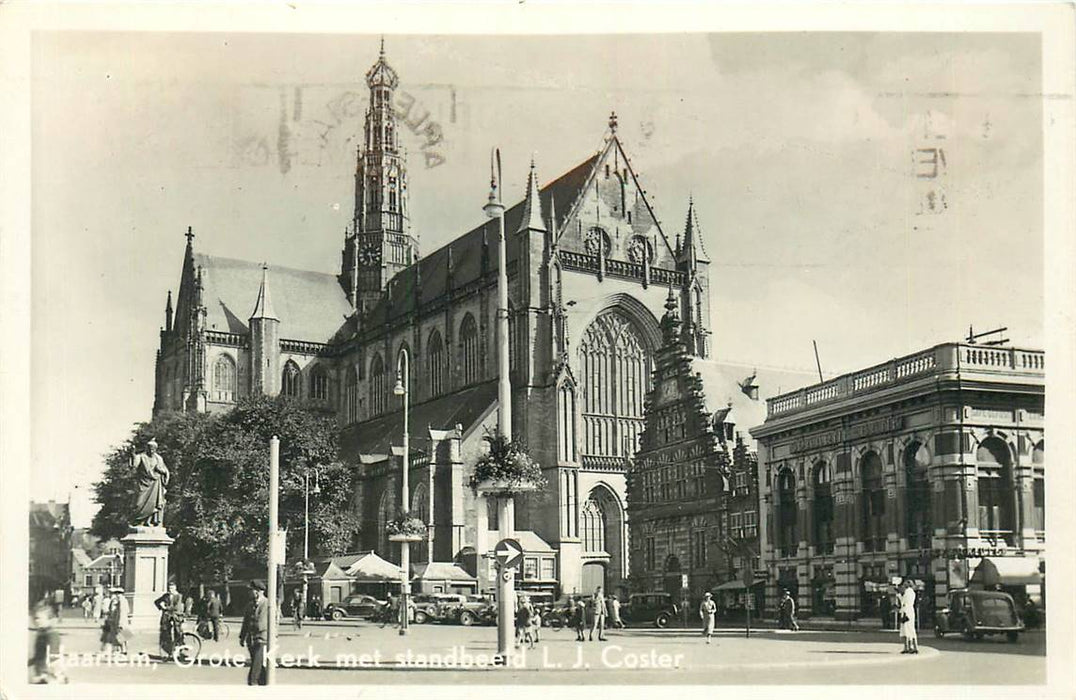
<point>611,215</point>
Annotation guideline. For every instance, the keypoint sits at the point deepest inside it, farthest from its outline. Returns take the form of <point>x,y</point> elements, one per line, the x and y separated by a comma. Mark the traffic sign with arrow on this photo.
<point>509,553</point>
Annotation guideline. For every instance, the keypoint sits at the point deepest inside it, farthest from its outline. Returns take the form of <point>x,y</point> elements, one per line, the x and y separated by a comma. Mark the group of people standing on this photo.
<point>594,613</point>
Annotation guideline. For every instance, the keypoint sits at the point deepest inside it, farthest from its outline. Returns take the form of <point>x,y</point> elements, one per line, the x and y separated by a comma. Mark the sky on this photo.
<point>878,193</point>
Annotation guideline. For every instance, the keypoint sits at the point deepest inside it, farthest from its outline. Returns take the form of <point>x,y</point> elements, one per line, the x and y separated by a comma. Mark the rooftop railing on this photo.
<point>949,357</point>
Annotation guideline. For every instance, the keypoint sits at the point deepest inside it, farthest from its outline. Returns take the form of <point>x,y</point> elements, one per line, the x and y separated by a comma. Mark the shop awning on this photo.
<point>1007,571</point>
<point>734,585</point>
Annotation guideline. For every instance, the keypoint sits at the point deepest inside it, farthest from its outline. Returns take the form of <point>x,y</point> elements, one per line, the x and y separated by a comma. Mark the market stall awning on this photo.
<point>1007,571</point>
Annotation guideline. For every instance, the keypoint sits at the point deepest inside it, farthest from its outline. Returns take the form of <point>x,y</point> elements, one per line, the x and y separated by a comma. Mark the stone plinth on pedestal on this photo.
<point>145,573</point>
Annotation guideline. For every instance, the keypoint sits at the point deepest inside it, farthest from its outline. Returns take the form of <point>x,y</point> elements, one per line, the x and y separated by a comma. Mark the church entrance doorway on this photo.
<point>593,576</point>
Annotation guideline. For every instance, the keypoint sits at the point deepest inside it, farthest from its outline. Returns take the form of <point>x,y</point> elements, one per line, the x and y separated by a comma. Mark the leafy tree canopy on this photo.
<point>217,503</point>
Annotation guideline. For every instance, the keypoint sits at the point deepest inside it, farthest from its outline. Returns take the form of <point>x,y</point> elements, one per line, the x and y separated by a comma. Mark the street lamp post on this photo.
<point>401,389</point>
<point>306,532</point>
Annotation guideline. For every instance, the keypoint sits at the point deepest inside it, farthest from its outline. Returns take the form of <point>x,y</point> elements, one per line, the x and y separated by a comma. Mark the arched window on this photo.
<point>996,491</point>
<point>319,383</point>
<point>592,521</point>
<point>290,379</point>
<point>823,508</point>
<point>566,423</point>
<point>435,364</point>
<point>420,502</point>
<point>351,396</point>
<point>917,528</point>
<point>224,388</point>
<point>615,365</point>
<point>872,502</point>
<point>378,386</point>
<point>786,513</point>
<point>470,357</point>
<point>387,509</point>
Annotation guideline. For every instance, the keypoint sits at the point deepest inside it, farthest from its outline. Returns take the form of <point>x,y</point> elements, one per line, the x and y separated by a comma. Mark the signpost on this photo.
<point>509,553</point>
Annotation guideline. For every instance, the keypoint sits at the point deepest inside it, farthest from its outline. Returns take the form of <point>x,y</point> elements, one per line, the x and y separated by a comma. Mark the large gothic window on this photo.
<point>290,379</point>
<point>566,424</point>
<point>319,384</point>
<point>917,496</point>
<point>592,521</point>
<point>996,491</point>
<point>224,380</point>
<point>420,502</point>
<point>351,396</point>
<point>378,386</point>
<point>386,511</point>
<point>615,367</point>
<point>872,502</point>
<point>435,364</point>
<point>470,357</point>
<point>823,508</point>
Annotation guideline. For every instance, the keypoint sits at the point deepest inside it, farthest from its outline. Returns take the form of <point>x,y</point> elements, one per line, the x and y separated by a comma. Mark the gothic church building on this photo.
<point>589,270</point>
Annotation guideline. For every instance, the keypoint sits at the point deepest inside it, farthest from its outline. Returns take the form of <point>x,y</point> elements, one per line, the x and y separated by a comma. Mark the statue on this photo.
<point>152,475</point>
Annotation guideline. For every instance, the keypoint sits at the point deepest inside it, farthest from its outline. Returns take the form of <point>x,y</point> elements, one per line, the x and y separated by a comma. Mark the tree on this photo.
<point>217,503</point>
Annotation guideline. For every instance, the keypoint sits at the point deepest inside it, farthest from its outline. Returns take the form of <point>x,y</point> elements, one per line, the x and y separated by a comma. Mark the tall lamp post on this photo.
<point>403,383</point>
<point>494,209</point>
<point>306,531</point>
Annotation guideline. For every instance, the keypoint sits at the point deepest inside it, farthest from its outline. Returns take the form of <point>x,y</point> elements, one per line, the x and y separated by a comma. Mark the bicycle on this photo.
<point>205,629</point>
<point>184,646</point>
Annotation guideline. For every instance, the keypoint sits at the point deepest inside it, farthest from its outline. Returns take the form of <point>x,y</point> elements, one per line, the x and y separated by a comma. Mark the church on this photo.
<point>590,269</point>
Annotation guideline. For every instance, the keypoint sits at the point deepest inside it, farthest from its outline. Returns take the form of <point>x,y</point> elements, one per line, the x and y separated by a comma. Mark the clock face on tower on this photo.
<point>370,255</point>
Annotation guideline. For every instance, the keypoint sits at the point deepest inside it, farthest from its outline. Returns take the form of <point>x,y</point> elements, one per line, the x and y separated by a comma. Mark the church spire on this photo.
<point>168,313</point>
<point>691,251</point>
<point>263,307</point>
<point>532,207</point>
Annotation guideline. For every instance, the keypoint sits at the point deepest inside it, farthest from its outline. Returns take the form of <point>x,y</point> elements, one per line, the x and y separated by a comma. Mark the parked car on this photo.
<point>436,607</point>
<point>659,609</point>
<point>473,610</point>
<point>559,614</point>
<point>359,606</point>
<point>977,613</point>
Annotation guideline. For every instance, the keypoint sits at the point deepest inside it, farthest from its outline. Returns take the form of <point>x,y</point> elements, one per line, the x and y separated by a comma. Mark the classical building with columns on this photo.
<point>930,466</point>
<point>589,266</point>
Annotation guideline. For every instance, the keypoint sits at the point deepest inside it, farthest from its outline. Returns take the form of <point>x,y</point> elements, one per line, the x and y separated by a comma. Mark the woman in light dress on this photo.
<point>906,618</point>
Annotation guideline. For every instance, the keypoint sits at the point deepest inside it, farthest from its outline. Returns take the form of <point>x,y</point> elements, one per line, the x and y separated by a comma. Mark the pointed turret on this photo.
<point>168,313</point>
<point>670,321</point>
<point>263,307</point>
<point>264,342</point>
<point>532,207</point>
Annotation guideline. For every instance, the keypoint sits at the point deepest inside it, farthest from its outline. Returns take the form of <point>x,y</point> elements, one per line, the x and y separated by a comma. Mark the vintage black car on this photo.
<point>358,606</point>
<point>658,609</point>
<point>437,607</point>
<point>977,613</point>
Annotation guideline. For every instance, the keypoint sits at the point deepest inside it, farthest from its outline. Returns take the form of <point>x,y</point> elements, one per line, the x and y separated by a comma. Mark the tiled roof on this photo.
<point>311,306</point>
<point>465,407</point>
<point>431,271</point>
<point>531,542</point>
<point>441,570</point>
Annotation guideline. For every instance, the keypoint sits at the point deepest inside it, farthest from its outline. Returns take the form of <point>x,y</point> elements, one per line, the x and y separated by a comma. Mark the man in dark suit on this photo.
<point>255,634</point>
<point>171,606</point>
<point>213,611</point>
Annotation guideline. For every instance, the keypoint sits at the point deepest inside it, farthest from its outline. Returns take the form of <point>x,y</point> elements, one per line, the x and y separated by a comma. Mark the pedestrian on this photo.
<point>788,612</point>
<point>171,606</point>
<point>536,622</point>
<point>214,609</point>
<point>523,622</point>
<point>97,601</point>
<point>579,619</point>
<point>707,610</point>
<point>254,634</point>
<point>87,607</point>
<point>885,610</point>
<point>58,603</point>
<point>614,613</point>
<point>315,607</point>
<point>297,608</point>
<point>598,615</point>
<point>46,643</point>
<point>118,631</point>
<point>188,605</point>
<point>906,618</point>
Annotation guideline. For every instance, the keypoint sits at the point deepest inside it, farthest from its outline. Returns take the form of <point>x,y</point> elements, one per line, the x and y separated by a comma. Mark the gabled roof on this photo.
<point>530,541</point>
<point>465,407</point>
<point>441,571</point>
<point>105,561</point>
<point>361,566</point>
<point>80,557</point>
<point>311,306</point>
<point>466,251</point>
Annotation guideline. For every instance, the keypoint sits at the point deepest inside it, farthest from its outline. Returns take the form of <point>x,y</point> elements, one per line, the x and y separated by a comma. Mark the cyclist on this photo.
<point>171,628</point>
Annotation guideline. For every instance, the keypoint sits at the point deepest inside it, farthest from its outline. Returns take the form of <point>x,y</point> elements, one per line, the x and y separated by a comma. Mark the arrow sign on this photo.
<point>509,553</point>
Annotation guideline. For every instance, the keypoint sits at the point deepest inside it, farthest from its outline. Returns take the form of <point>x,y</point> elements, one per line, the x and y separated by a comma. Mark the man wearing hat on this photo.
<point>116,625</point>
<point>152,475</point>
<point>254,634</point>
<point>707,610</point>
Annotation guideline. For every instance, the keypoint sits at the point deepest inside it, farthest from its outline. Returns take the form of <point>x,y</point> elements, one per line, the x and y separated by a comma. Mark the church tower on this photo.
<point>379,243</point>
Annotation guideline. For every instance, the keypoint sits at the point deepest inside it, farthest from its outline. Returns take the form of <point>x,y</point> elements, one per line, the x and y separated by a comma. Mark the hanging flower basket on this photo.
<point>406,528</point>
<point>506,470</point>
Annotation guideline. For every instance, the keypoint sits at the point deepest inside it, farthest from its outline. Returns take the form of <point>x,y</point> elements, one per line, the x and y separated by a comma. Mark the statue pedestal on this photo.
<point>145,573</point>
